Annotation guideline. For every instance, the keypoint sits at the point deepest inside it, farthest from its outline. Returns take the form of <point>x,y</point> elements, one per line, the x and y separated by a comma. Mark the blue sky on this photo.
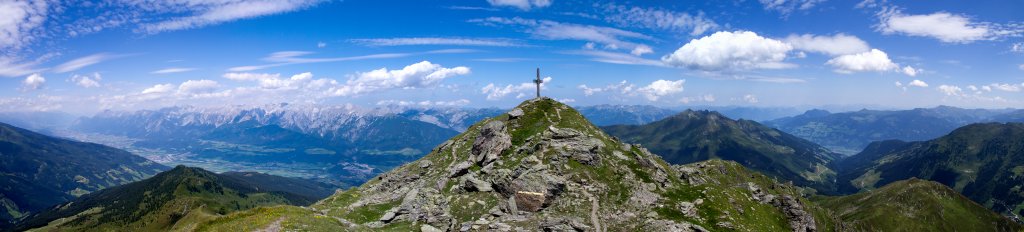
<point>128,54</point>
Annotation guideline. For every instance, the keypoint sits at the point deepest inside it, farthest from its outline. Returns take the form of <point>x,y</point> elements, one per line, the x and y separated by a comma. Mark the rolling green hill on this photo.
<point>915,205</point>
<point>984,162</point>
<point>694,136</point>
<point>178,199</point>
<point>40,171</point>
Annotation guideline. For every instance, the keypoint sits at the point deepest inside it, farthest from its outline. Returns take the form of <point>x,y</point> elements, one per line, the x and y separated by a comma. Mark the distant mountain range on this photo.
<point>850,132</point>
<point>693,136</point>
<point>177,199</point>
<point>984,161</point>
<point>40,171</point>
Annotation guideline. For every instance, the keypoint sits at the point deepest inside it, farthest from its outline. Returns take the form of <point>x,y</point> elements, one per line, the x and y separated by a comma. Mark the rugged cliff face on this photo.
<point>542,166</point>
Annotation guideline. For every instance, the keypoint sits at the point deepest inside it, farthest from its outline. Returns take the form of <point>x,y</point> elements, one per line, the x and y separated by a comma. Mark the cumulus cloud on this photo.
<point>708,98</point>
<point>951,90</point>
<point>33,82</point>
<point>172,70</point>
<point>521,4</point>
<point>496,92</point>
<point>918,83</point>
<point>159,88</point>
<point>729,51</point>
<point>494,42</point>
<point>660,88</point>
<point>250,76</point>
<point>749,98</point>
<point>197,86</point>
<point>944,26</point>
<point>658,19</point>
<point>871,61</point>
<point>839,44</point>
<point>419,75</point>
<point>652,92</point>
<point>1006,87</point>
<point>87,81</point>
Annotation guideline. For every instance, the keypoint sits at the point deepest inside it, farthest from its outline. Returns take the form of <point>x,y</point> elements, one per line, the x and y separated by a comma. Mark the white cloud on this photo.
<point>321,45</point>
<point>951,90</point>
<point>459,102</point>
<point>83,62</point>
<point>660,19</point>
<point>785,7</point>
<point>944,26</point>
<point>729,51</point>
<point>750,98</point>
<point>708,98</point>
<point>419,75</point>
<point>652,92</point>
<point>21,21</point>
<point>1021,67</point>
<point>909,71</point>
<point>197,86</point>
<point>660,88</point>
<point>158,89</point>
<point>87,81</point>
<point>641,50</point>
<point>204,13</point>
<point>494,42</point>
<point>9,67</point>
<point>616,58</point>
<point>495,92</point>
<point>250,76</point>
<point>1006,87</point>
<point>874,60</point>
<point>972,87</point>
<point>33,82</point>
<point>611,38</point>
<point>298,57</point>
<point>521,4</point>
<point>172,70</point>
<point>839,44</point>
<point>918,83</point>
<point>900,85</point>
<point>987,88</point>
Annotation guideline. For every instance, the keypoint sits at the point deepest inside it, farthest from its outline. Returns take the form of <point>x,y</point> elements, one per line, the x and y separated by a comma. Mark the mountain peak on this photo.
<point>543,166</point>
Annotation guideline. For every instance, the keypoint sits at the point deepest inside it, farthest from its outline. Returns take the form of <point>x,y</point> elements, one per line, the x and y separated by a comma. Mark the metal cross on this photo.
<point>538,81</point>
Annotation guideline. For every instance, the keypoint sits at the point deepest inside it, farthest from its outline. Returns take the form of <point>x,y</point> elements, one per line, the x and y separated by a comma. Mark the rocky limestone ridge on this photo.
<point>543,167</point>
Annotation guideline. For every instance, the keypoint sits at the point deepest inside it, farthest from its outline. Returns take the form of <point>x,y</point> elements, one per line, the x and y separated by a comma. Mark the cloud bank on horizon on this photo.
<point>126,54</point>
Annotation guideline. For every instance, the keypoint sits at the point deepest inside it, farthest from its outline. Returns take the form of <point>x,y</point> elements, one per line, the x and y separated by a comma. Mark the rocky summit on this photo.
<point>543,167</point>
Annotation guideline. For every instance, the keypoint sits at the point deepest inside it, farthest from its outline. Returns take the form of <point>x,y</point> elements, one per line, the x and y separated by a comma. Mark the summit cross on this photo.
<point>538,81</point>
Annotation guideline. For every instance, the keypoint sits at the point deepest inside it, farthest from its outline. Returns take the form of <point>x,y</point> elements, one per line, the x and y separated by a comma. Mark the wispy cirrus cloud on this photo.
<point>172,70</point>
<point>943,26</point>
<point>655,18</point>
<point>494,42</point>
<point>85,61</point>
<point>610,38</point>
<point>284,58</point>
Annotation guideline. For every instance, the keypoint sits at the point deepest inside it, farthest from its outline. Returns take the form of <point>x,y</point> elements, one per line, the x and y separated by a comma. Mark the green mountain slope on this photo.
<point>175,200</point>
<point>915,205</point>
<point>541,167</point>
<point>40,171</point>
<point>984,162</point>
<point>693,136</point>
